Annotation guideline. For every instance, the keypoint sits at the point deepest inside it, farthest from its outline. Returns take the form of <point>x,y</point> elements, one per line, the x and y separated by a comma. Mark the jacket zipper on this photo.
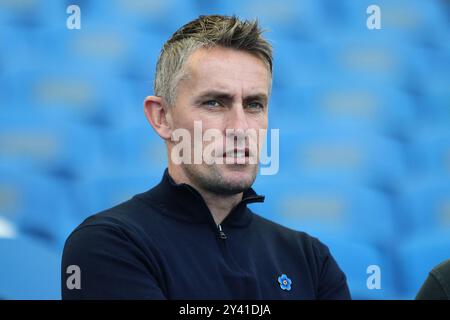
<point>222,234</point>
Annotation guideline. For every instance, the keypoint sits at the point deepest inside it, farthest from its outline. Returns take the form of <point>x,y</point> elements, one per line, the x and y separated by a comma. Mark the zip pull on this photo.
<point>221,233</point>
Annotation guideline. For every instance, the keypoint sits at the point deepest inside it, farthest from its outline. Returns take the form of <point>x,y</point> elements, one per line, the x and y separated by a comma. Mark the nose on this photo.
<point>238,125</point>
<point>237,119</point>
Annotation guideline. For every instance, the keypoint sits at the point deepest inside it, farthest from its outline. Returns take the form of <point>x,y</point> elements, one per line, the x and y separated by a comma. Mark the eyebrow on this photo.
<point>225,96</point>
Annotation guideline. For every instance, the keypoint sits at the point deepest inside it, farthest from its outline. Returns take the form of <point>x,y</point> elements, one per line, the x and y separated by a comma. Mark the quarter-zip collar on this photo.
<point>183,202</point>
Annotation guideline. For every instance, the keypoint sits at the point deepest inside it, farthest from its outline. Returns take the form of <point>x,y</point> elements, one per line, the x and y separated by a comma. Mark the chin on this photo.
<point>224,179</point>
<point>242,175</point>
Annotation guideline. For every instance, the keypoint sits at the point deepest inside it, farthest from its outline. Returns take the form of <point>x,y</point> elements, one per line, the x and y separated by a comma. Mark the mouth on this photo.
<point>237,153</point>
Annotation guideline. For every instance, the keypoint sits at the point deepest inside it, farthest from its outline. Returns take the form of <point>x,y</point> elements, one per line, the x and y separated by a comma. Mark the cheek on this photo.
<point>260,125</point>
<point>259,122</point>
<point>213,121</point>
<point>181,118</point>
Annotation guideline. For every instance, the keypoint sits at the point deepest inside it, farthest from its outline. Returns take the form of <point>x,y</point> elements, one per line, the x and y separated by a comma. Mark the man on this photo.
<point>437,284</point>
<point>192,236</point>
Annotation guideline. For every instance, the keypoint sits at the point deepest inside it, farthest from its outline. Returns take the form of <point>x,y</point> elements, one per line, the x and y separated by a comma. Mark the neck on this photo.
<point>220,205</point>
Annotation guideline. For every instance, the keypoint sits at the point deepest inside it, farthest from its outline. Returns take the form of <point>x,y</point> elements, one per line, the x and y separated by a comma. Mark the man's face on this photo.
<point>224,89</point>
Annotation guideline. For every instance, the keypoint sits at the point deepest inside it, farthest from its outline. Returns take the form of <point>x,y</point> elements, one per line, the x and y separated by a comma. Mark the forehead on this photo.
<point>226,69</point>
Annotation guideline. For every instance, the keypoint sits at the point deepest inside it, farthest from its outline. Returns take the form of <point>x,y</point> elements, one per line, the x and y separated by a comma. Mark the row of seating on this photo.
<point>413,19</point>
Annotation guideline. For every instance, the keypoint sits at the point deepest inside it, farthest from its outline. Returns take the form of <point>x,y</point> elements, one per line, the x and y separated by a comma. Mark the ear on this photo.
<point>157,116</point>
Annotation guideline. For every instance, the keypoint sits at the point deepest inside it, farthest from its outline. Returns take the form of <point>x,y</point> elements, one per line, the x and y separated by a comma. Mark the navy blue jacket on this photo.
<point>164,244</point>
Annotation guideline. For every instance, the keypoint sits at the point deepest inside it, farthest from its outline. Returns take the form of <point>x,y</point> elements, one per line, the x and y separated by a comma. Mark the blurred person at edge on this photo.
<point>437,284</point>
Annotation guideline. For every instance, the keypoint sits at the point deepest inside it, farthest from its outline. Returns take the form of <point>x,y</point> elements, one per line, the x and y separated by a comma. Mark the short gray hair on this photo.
<point>206,32</point>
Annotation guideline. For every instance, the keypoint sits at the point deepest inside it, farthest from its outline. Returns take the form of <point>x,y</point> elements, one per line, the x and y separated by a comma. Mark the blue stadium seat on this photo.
<point>321,207</point>
<point>299,65</point>
<point>38,204</point>
<point>411,21</point>
<point>345,151</point>
<point>294,18</point>
<point>360,262</point>
<point>375,108</point>
<point>424,205</point>
<point>102,60</point>
<point>8,229</point>
<point>435,102</point>
<point>429,151</point>
<point>160,16</point>
<point>77,94</point>
<point>113,50</point>
<point>130,147</point>
<point>377,59</point>
<point>29,270</point>
<point>48,143</point>
<point>115,188</point>
<point>33,14</point>
<point>142,55</point>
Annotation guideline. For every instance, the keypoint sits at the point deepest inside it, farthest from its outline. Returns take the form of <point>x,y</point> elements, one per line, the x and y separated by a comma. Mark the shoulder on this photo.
<point>114,238</point>
<point>437,284</point>
<point>129,220</point>
<point>443,270</point>
<point>290,237</point>
<point>308,251</point>
<point>113,255</point>
<point>441,274</point>
<point>129,214</point>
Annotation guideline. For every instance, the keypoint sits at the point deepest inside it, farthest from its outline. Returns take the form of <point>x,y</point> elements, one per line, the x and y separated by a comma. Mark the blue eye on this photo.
<point>255,105</point>
<point>212,103</point>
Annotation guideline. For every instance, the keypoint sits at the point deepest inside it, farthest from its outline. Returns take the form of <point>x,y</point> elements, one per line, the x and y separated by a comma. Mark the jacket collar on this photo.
<point>183,202</point>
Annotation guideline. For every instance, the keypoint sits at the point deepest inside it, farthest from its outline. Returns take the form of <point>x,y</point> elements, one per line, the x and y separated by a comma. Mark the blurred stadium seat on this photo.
<point>343,150</point>
<point>293,18</point>
<point>322,207</point>
<point>417,256</point>
<point>36,204</point>
<point>357,260</point>
<point>134,147</point>
<point>115,188</point>
<point>424,205</point>
<point>372,107</point>
<point>435,103</point>
<point>48,143</point>
<point>300,64</point>
<point>160,16</point>
<point>430,150</point>
<point>29,270</point>
<point>412,21</point>
<point>31,13</point>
